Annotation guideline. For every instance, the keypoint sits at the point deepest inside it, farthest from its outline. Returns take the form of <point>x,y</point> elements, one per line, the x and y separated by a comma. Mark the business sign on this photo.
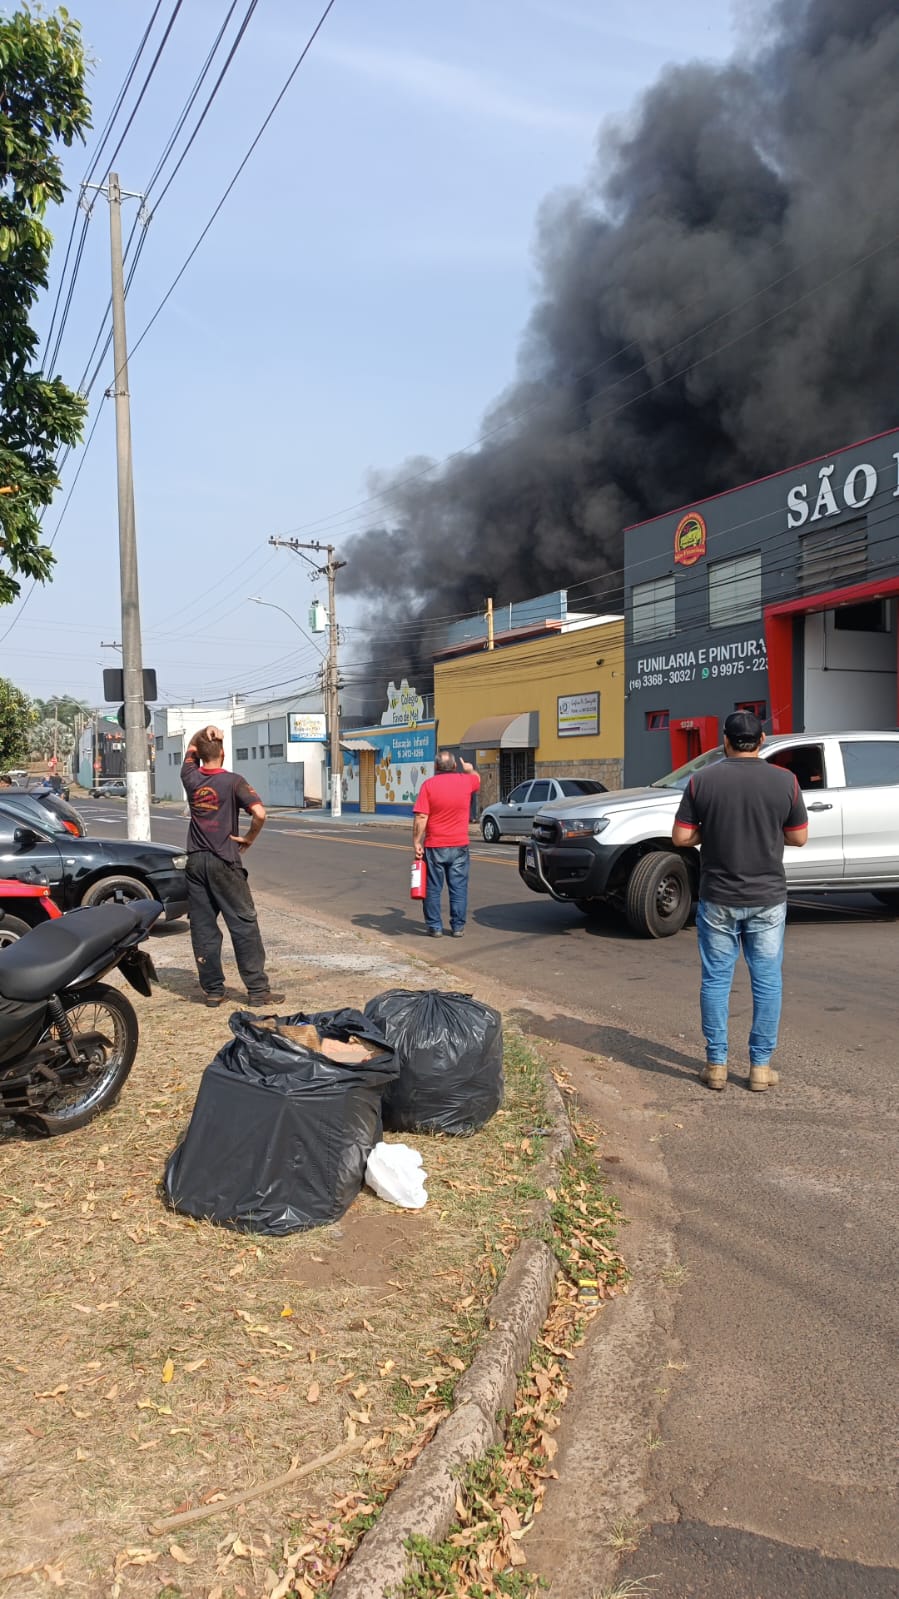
<point>728,658</point>
<point>305,727</point>
<point>577,714</point>
<point>405,706</point>
<point>690,539</point>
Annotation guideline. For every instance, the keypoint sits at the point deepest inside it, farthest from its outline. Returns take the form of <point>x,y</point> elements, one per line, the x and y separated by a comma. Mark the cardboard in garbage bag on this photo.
<point>449,1049</point>
<point>281,1133</point>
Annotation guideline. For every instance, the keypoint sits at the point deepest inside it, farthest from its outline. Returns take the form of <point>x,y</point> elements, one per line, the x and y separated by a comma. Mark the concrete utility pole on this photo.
<point>329,570</point>
<point>136,775</point>
<point>490,623</point>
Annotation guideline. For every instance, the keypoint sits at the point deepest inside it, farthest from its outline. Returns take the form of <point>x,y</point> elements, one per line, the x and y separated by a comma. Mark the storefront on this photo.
<point>385,766</point>
<point>547,700</point>
<point>779,596</point>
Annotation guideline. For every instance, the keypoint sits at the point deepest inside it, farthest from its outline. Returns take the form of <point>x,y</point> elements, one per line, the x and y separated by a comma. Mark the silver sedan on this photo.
<point>512,817</point>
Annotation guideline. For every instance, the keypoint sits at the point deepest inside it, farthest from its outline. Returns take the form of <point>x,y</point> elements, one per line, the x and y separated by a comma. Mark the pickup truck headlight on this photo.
<point>586,828</point>
<point>179,862</point>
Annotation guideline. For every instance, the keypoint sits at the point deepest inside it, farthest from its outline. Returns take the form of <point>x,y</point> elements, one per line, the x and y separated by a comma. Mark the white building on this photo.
<point>281,747</point>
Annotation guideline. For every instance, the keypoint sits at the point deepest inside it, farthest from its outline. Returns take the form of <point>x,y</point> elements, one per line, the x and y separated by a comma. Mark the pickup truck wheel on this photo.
<point>658,896</point>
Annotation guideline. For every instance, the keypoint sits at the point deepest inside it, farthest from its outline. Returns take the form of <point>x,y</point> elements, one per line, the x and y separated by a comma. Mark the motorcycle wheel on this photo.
<point>99,1009</point>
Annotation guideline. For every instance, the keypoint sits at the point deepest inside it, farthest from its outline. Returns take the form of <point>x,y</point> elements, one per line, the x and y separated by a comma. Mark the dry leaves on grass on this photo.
<point>156,1358</point>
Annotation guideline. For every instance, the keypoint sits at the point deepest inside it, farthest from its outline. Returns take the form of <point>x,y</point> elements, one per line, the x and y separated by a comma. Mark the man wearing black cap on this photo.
<point>742,811</point>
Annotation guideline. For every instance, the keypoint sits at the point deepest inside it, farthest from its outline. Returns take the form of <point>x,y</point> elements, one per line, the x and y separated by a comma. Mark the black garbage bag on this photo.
<point>280,1134</point>
<point>449,1048</point>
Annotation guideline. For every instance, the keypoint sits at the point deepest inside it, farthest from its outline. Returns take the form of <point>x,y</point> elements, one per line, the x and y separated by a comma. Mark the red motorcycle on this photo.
<point>13,891</point>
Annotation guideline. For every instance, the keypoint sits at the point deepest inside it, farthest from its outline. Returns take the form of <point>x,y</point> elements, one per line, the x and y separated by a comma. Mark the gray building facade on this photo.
<point>779,596</point>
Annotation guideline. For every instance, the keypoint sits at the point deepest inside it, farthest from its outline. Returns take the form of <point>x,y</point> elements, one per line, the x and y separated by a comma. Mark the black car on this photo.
<point>57,804</point>
<point>87,871</point>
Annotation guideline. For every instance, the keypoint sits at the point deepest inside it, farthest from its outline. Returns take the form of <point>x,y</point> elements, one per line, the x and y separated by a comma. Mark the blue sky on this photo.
<point>358,302</point>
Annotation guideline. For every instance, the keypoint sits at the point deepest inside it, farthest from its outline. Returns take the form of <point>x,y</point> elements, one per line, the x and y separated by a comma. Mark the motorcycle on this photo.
<point>68,1040</point>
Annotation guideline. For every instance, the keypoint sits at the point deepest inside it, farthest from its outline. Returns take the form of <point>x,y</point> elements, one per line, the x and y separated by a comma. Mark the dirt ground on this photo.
<point>153,1363</point>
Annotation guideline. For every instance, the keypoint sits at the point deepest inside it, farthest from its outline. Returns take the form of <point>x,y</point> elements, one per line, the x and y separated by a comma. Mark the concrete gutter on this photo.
<point>424,1502</point>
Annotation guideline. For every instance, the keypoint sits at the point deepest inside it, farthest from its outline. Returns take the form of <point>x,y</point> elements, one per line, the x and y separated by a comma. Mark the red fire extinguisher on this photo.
<point>419,880</point>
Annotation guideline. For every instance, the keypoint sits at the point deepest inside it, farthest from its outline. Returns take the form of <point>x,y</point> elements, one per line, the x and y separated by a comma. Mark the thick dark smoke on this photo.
<point>640,385</point>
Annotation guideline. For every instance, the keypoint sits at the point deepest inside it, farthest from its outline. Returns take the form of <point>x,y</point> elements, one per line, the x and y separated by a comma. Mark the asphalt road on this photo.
<point>778,1471</point>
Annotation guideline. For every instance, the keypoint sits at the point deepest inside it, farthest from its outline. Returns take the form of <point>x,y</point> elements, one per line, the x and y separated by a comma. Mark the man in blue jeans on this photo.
<point>742,811</point>
<point>440,837</point>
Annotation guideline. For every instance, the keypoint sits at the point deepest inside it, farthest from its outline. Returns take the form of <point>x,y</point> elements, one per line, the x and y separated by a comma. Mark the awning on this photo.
<point>520,731</point>
<point>357,744</point>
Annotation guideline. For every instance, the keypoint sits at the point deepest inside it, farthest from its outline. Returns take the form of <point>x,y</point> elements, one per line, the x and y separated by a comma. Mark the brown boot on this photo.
<point>714,1076</point>
<point>761,1077</point>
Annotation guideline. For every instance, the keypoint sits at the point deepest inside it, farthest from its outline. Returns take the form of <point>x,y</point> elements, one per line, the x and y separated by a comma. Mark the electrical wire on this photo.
<point>274,107</point>
<point>210,98</point>
<point>146,83</point>
<point>107,129</point>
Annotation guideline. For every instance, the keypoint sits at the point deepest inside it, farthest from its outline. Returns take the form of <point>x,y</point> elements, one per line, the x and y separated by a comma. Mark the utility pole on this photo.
<point>330,570</point>
<point>490,623</point>
<point>136,776</point>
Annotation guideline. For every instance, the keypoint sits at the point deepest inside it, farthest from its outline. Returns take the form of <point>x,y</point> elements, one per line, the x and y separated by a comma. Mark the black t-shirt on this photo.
<point>216,799</point>
<point>743,808</point>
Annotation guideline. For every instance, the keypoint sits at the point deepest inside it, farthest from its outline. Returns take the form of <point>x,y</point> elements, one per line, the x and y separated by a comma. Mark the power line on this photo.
<point>52,540</point>
<point>288,81</point>
<point>146,83</point>
<point>107,129</point>
<point>211,97</point>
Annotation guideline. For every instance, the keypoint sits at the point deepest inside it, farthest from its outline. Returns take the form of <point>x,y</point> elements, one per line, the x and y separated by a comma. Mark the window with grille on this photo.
<point>652,609</point>
<point>656,721</point>
<point>828,557</point>
<point>241,755</point>
<point>758,708</point>
<point>735,590</point>
<point>276,752</point>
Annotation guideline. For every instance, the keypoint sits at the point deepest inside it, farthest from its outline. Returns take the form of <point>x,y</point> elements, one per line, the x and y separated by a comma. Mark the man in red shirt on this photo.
<point>440,835</point>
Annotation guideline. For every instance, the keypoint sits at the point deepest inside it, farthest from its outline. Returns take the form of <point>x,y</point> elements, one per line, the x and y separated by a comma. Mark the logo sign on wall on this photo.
<point>306,726</point>
<point>405,706</point>
<point>577,714</point>
<point>690,539</point>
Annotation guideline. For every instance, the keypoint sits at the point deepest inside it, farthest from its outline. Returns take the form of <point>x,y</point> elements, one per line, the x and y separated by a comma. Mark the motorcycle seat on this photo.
<point>43,961</point>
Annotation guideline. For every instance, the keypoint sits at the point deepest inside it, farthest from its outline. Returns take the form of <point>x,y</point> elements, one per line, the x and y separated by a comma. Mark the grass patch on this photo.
<point>159,1362</point>
<point>499,1495</point>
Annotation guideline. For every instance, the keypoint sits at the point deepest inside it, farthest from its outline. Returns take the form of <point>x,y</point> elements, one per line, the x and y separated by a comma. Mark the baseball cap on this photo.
<point>743,727</point>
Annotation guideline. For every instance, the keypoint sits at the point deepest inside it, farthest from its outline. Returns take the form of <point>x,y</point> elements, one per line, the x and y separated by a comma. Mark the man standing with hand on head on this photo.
<point>216,880</point>
<point>741,811</point>
<point>440,837</point>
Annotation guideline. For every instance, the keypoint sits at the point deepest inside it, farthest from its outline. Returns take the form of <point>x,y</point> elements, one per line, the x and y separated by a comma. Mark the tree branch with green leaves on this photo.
<point>43,105</point>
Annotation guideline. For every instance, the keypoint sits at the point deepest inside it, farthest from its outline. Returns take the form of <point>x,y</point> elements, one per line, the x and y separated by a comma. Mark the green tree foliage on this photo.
<point>15,719</point>
<point>42,106</point>
<point>62,708</point>
<point>49,737</point>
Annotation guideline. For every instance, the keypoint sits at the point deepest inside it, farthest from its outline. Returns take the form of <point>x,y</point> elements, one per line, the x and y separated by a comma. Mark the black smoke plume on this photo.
<point>706,315</point>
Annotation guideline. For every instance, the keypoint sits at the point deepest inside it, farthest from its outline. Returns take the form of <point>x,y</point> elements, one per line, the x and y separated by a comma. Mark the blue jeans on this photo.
<point>722,930</point>
<point>448,866</point>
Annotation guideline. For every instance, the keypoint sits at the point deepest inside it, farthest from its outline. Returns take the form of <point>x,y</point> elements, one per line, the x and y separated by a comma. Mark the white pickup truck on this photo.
<point>616,848</point>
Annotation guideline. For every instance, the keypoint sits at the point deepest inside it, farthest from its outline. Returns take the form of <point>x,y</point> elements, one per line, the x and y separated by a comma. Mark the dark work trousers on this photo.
<point>216,888</point>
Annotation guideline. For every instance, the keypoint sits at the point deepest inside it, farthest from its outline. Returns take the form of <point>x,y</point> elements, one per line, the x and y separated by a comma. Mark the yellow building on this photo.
<point>545,701</point>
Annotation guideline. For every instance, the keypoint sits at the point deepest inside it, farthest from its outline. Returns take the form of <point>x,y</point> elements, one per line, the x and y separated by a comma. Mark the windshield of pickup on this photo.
<point>681,777</point>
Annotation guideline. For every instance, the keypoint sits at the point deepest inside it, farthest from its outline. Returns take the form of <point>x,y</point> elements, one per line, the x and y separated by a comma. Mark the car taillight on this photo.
<point>70,827</point>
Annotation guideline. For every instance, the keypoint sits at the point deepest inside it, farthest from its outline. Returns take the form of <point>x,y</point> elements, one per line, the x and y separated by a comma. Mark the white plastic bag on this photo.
<point>395,1173</point>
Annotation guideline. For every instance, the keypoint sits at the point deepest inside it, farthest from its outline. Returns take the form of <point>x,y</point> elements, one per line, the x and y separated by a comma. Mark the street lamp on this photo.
<point>336,796</point>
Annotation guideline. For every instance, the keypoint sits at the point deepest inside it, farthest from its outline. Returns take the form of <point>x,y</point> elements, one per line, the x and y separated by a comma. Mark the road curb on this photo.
<point>424,1502</point>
